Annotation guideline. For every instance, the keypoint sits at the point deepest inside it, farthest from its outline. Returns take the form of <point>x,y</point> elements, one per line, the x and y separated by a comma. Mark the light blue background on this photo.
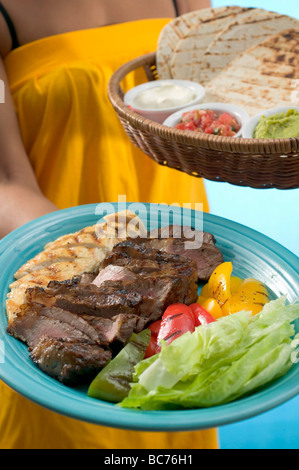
<point>276,214</point>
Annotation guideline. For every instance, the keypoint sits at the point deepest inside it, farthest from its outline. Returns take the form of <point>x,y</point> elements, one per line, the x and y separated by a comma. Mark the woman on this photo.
<point>64,146</point>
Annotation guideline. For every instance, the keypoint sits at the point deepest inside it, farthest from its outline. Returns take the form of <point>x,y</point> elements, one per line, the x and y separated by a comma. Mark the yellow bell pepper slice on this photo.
<point>211,306</point>
<point>235,283</point>
<point>251,295</point>
<point>219,285</point>
<point>225,294</point>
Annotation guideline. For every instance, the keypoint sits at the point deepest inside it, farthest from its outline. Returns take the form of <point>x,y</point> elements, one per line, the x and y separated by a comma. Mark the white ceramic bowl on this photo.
<point>251,124</point>
<point>239,113</point>
<point>159,115</point>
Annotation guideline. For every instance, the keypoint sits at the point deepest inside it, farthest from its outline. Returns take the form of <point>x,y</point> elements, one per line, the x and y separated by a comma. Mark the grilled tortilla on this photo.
<point>262,77</point>
<point>240,35</point>
<point>185,63</point>
<point>178,30</point>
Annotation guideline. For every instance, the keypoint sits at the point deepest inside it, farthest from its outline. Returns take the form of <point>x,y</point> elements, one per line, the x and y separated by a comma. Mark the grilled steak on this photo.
<point>146,296</point>
<point>207,257</point>
<point>147,251</point>
<point>40,322</point>
<point>147,263</point>
<point>106,301</point>
<point>116,329</point>
<point>184,233</point>
<point>70,360</point>
<point>113,273</point>
<point>37,321</point>
<point>194,245</point>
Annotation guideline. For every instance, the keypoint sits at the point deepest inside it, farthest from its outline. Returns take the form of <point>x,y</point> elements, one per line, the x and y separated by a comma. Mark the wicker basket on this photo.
<point>243,162</point>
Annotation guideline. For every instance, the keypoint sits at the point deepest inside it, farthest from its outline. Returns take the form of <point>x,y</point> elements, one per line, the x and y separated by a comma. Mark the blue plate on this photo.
<point>252,255</point>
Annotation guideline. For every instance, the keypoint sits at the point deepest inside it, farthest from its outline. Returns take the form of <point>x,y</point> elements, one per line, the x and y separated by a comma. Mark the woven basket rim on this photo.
<point>286,147</point>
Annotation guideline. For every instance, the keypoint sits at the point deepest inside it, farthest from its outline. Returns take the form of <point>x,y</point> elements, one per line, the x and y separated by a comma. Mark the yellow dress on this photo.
<point>81,154</point>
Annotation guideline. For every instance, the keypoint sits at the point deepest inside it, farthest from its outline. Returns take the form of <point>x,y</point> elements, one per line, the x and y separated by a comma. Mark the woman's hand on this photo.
<point>19,205</point>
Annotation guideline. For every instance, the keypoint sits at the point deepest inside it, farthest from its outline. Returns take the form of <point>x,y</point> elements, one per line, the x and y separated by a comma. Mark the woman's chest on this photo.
<point>34,20</point>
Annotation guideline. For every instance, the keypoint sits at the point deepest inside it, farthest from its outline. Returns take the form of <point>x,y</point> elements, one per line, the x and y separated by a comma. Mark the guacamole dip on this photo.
<point>278,126</point>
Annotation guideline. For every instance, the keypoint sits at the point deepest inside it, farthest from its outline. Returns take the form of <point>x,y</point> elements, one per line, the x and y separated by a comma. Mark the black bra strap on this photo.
<point>175,4</point>
<point>14,38</point>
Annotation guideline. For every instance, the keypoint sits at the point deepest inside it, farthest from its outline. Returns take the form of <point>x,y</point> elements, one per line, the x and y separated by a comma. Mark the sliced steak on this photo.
<point>35,323</point>
<point>159,277</point>
<point>146,298</point>
<point>38,320</point>
<point>199,248</point>
<point>87,299</point>
<point>207,257</point>
<point>45,328</point>
<point>78,322</point>
<point>150,280</point>
<point>146,262</point>
<point>69,360</point>
<point>141,249</point>
<point>182,232</point>
<point>113,273</point>
<point>117,329</point>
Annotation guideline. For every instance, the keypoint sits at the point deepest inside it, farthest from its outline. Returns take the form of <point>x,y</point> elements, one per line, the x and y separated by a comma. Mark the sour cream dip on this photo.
<point>166,95</point>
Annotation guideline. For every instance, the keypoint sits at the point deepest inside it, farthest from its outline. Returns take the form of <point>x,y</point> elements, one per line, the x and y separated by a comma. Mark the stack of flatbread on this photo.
<point>244,56</point>
<point>72,255</point>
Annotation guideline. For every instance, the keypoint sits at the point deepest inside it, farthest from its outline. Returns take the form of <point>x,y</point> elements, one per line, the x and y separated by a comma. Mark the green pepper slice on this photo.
<point>113,382</point>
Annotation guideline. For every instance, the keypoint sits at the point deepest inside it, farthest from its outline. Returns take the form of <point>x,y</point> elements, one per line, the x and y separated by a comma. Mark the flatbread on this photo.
<point>237,37</point>
<point>179,28</point>
<point>72,255</point>
<point>262,77</point>
<point>185,63</point>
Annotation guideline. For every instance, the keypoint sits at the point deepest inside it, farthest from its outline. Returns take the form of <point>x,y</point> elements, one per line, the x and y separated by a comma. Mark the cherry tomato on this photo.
<point>175,309</point>
<point>176,320</point>
<point>201,316</point>
<point>153,347</point>
<point>155,327</point>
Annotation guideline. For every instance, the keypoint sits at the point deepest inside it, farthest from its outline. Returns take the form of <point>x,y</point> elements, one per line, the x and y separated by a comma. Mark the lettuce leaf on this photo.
<point>219,362</point>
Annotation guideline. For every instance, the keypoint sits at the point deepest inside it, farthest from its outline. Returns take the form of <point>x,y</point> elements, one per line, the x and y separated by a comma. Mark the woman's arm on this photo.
<point>20,197</point>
